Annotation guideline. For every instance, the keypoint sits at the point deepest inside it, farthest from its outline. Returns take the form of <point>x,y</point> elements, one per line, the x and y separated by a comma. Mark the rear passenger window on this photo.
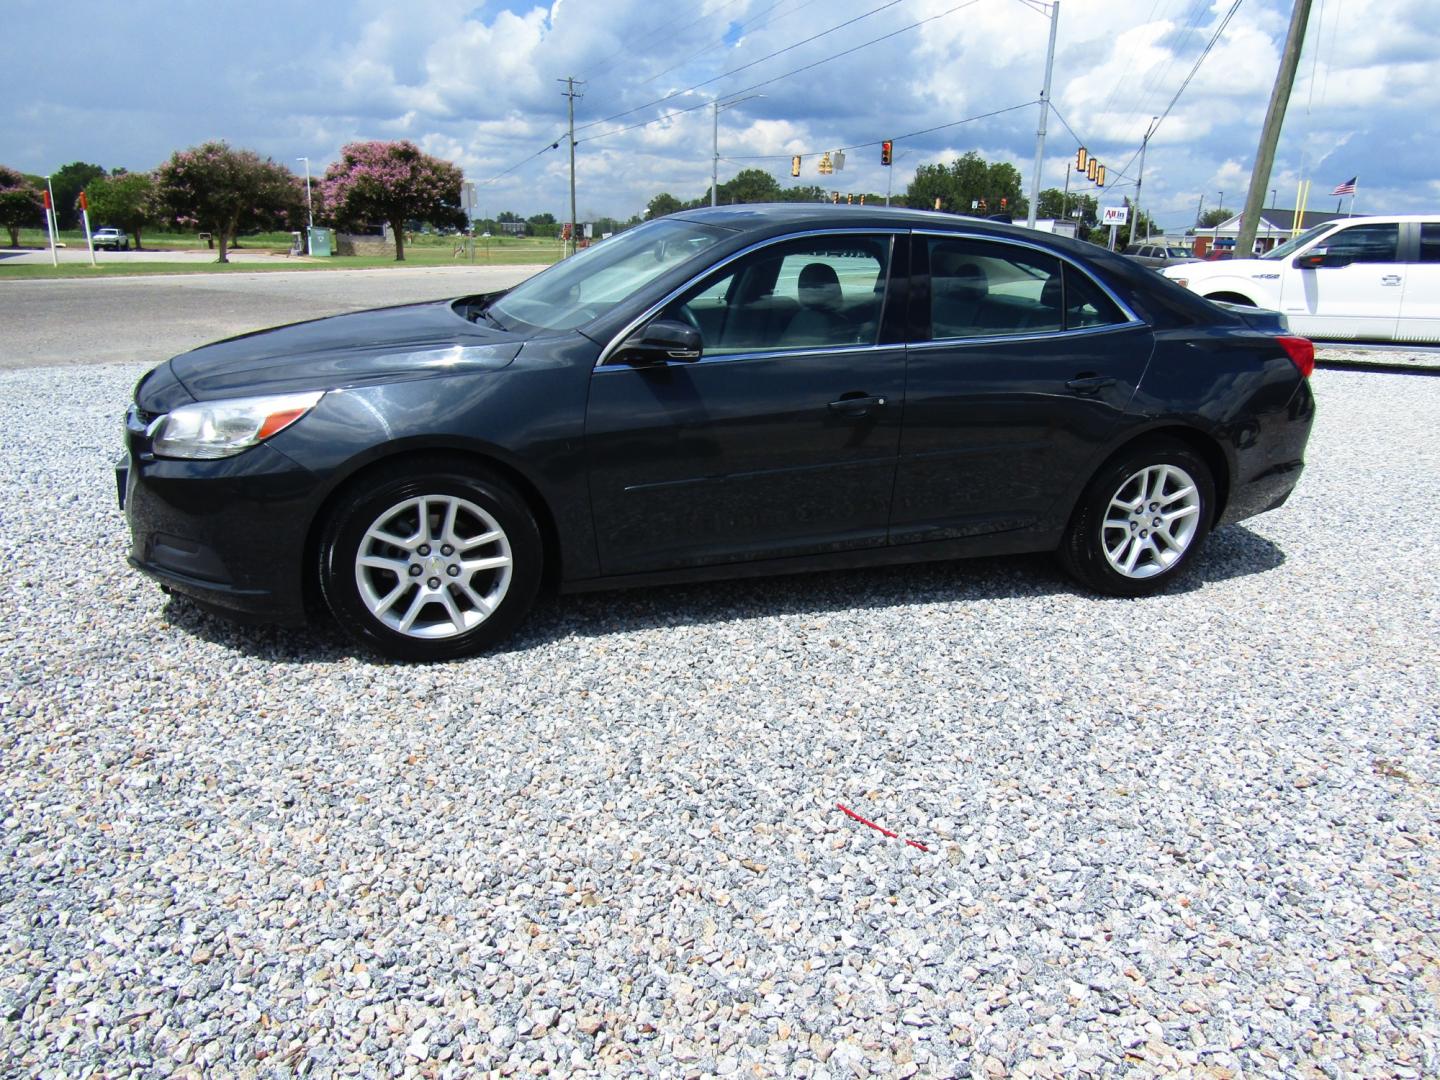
<point>984,289</point>
<point>1430,242</point>
<point>1086,304</point>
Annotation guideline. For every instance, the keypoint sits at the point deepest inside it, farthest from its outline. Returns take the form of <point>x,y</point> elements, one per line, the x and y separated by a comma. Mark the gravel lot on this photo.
<point>1191,833</point>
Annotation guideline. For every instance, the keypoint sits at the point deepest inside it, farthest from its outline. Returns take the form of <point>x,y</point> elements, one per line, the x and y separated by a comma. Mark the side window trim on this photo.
<point>922,332</point>
<point>920,235</point>
<point>655,308</point>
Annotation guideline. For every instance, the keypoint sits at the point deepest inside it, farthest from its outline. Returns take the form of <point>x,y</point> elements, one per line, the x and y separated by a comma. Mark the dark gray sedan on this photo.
<point>724,392</point>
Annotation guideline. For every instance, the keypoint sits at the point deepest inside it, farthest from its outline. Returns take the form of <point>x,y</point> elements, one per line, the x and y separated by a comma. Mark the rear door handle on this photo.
<point>1089,384</point>
<point>856,406</point>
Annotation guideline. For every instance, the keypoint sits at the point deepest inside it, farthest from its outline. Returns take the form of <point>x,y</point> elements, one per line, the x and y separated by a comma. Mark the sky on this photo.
<point>126,84</point>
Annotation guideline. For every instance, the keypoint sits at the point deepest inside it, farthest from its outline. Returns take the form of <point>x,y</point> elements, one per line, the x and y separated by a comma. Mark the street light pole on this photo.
<point>309,206</point>
<point>1044,114</point>
<point>716,105</point>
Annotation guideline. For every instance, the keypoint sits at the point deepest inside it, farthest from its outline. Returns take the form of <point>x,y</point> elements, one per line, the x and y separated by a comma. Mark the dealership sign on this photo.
<point>1114,215</point>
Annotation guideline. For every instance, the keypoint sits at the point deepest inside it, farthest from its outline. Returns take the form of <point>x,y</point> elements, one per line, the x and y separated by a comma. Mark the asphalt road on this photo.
<point>148,319</point>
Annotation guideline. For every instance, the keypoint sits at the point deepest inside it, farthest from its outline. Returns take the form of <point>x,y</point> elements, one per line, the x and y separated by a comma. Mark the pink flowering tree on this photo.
<point>392,182</point>
<point>223,191</point>
<point>21,205</point>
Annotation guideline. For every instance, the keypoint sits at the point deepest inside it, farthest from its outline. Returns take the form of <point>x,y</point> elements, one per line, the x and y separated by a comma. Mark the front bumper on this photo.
<point>229,533</point>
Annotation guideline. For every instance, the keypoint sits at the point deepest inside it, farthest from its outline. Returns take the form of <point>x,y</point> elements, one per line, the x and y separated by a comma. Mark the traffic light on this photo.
<point>1004,202</point>
<point>886,152</point>
<point>835,197</point>
<point>937,202</point>
<point>862,200</point>
<point>1082,159</point>
<point>850,200</point>
<point>795,165</point>
<point>1100,176</point>
<point>1090,168</point>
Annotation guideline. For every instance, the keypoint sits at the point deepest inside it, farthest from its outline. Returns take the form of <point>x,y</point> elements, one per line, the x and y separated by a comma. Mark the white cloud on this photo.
<point>477,84</point>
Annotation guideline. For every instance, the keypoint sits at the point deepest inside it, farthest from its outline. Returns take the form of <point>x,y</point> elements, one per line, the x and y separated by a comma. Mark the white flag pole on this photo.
<point>89,239</point>
<point>1352,199</point>
<point>51,225</point>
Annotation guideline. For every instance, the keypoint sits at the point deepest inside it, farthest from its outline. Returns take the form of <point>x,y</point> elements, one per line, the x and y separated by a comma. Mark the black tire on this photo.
<point>483,504</point>
<point>1104,529</point>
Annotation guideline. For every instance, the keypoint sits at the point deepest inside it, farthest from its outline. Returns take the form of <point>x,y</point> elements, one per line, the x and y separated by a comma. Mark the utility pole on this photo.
<point>1065,195</point>
<point>1140,178</point>
<point>715,159</point>
<point>1044,114</point>
<point>1270,133</point>
<point>572,94</point>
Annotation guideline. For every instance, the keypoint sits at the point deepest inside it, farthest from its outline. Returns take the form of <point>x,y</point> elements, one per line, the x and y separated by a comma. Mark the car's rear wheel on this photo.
<point>1142,520</point>
<point>430,563</point>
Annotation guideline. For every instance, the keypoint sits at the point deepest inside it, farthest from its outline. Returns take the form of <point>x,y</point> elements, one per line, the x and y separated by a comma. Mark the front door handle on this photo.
<point>1089,384</point>
<point>857,406</point>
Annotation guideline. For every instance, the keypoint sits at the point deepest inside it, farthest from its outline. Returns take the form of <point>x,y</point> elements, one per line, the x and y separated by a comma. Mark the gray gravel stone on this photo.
<point>1187,834</point>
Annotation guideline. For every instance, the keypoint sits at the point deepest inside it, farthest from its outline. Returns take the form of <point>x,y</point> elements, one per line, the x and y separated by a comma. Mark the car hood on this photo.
<point>410,341</point>
<point>1222,268</point>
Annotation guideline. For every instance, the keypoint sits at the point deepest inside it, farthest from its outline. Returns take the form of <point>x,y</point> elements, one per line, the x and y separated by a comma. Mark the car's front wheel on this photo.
<point>430,561</point>
<point>1142,520</point>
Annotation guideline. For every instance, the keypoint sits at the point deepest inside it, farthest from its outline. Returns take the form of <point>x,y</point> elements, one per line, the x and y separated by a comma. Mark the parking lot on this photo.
<point>1192,832</point>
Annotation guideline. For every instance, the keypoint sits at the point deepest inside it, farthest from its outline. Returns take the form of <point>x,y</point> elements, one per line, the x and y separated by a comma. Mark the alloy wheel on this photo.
<point>433,567</point>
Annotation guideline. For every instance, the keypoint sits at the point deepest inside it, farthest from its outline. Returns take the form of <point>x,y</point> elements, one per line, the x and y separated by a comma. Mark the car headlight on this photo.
<point>219,429</point>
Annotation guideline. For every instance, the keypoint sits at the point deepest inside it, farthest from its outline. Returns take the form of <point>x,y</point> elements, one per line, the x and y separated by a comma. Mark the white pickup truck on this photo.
<point>114,239</point>
<point>1354,279</point>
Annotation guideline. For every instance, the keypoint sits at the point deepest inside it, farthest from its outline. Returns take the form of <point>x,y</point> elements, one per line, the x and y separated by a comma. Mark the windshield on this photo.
<point>581,289</point>
<point>1178,252</point>
<point>1285,250</point>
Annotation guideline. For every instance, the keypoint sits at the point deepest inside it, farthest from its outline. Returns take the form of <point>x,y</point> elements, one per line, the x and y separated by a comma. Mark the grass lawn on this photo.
<point>420,250</point>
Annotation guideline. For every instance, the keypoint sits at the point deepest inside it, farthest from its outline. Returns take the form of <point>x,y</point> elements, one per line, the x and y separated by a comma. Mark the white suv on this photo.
<point>1355,279</point>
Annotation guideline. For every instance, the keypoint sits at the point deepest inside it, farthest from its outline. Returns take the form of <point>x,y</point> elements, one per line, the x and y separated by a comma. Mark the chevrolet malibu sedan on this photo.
<point>721,393</point>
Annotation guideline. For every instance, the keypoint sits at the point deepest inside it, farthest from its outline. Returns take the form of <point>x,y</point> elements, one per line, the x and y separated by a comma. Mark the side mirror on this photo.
<point>1317,260</point>
<point>661,341</point>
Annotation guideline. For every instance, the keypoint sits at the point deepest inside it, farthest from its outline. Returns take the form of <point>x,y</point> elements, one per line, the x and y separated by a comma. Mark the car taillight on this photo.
<point>1301,352</point>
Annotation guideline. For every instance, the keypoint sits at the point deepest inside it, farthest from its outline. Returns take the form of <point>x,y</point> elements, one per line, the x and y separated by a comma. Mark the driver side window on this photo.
<point>802,294</point>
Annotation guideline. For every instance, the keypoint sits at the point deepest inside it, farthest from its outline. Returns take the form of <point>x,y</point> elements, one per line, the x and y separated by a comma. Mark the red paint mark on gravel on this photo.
<point>878,828</point>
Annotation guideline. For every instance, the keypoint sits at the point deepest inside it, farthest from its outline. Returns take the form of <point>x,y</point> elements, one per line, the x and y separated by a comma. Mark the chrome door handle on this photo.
<point>1089,384</point>
<point>856,406</point>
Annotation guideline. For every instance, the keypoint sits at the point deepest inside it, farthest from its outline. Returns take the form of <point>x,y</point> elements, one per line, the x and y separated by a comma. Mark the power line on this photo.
<point>525,161</point>
<point>1198,61</point>
<point>667,27</point>
<point>876,142</point>
<point>742,67</point>
<point>752,25</point>
<point>786,75</point>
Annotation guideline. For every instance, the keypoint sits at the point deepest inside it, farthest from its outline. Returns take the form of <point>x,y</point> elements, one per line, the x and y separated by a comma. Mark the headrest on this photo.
<point>820,286</point>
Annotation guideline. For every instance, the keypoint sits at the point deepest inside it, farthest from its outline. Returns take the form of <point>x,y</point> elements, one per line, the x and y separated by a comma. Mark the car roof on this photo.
<point>763,216</point>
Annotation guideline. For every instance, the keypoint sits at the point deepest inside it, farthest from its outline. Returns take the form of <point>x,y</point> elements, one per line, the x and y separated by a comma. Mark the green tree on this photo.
<point>126,201</point>
<point>749,186</point>
<point>67,182</point>
<point>1084,210</point>
<point>21,203</point>
<point>393,182</point>
<point>1211,218</point>
<point>967,181</point>
<point>661,205</point>
<point>223,191</point>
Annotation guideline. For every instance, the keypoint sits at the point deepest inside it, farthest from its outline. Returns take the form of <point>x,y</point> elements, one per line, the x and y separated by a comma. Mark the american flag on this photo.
<point>1347,188</point>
